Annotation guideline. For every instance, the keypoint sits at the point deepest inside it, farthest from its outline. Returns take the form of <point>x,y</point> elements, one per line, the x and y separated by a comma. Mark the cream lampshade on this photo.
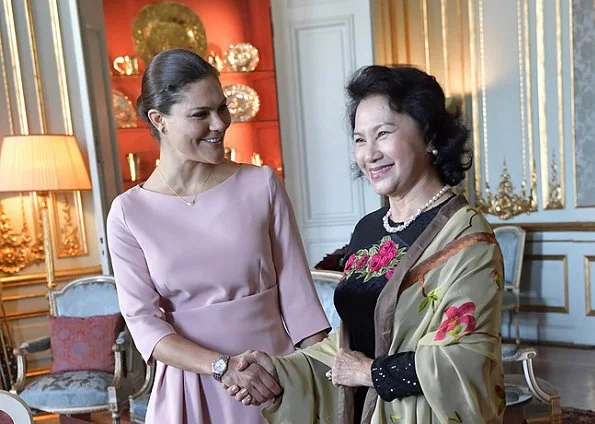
<point>42,163</point>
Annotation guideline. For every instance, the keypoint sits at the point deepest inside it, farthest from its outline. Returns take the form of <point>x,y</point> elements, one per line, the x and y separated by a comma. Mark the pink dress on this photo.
<point>229,273</point>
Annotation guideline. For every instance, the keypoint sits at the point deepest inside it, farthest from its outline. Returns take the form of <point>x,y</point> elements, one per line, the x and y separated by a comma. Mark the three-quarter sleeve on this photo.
<point>137,295</point>
<point>302,313</point>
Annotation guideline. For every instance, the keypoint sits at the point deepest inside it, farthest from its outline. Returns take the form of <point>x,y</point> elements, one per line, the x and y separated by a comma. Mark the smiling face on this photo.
<point>389,147</point>
<point>195,126</point>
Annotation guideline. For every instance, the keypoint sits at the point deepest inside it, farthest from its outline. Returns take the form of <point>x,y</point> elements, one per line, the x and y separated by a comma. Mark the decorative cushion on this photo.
<point>84,343</point>
<point>138,406</point>
<point>68,389</point>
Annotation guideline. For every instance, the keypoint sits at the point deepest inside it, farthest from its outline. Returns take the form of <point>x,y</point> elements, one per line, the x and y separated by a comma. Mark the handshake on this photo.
<point>251,378</point>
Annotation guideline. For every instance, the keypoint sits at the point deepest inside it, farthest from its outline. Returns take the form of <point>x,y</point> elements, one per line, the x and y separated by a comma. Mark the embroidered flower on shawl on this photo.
<point>455,319</point>
<point>378,260</point>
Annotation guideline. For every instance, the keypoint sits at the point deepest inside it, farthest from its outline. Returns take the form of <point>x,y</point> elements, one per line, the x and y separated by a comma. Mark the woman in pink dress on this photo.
<point>207,256</point>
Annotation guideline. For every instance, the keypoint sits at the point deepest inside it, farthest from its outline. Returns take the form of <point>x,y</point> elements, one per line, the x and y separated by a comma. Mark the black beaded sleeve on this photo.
<point>394,376</point>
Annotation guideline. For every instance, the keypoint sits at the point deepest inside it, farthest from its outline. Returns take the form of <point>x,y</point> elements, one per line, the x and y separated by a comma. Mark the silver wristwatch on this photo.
<point>219,366</point>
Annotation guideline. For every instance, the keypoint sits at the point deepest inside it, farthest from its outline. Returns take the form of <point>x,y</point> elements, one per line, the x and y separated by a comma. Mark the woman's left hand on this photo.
<point>352,369</point>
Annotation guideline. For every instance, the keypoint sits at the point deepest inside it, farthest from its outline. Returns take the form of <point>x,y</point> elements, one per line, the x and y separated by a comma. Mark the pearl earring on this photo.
<point>434,151</point>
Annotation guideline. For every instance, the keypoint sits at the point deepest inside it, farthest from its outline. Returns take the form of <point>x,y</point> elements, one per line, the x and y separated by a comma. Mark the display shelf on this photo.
<point>226,22</point>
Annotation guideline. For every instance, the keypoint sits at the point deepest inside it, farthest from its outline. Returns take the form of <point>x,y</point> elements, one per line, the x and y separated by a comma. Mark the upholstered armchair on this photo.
<point>538,400</point>
<point>511,239</point>
<point>325,283</point>
<point>88,302</point>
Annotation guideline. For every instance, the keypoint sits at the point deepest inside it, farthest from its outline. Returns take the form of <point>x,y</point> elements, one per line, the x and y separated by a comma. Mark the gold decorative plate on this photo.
<point>242,57</point>
<point>123,110</point>
<point>243,102</point>
<point>167,25</point>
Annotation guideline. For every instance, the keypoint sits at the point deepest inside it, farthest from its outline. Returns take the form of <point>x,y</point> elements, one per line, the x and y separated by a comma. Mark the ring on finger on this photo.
<point>329,375</point>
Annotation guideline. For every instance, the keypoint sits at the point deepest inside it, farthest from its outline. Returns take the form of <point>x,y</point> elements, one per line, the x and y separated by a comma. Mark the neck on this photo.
<point>405,204</point>
<point>188,177</point>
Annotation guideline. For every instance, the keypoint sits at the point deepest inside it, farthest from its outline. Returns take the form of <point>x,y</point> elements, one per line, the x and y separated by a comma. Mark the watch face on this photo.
<point>219,366</point>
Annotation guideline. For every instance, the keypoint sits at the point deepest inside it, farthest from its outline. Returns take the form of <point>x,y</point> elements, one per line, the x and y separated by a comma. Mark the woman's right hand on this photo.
<point>246,361</point>
<point>252,372</point>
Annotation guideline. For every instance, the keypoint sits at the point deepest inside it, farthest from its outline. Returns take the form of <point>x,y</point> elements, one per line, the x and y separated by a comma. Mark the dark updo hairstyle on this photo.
<point>165,77</point>
<point>417,94</point>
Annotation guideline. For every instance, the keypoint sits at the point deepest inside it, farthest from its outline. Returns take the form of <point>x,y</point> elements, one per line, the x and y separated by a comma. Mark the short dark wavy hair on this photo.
<point>417,94</point>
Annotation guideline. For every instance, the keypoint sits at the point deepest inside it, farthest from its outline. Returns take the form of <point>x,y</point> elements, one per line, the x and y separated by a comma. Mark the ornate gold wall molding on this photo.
<point>588,298</point>
<point>13,50</point>
<point>564,309</point>
<point>555,196</point>
<point>506,203</point>
<point>6,92</point>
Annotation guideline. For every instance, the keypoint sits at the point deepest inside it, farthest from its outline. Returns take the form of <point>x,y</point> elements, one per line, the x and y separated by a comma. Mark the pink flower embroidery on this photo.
<point>455,318</point>
<point>388,247</point>
<point>389,273</point>
<point>375,263</point>
<point>386,260</point>
<point>349,264</point>
<point>361,262</point>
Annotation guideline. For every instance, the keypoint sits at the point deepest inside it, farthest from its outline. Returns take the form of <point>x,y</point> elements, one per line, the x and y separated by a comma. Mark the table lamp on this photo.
<point>42,163</point>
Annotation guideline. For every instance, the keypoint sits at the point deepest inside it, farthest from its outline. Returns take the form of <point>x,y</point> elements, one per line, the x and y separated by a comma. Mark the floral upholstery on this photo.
<point>67,389</point>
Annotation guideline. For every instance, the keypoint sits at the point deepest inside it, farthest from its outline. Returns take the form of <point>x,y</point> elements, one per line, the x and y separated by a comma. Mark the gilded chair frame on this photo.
<point>121,347</point>
<point>322,274</point>
<point>515,286</point>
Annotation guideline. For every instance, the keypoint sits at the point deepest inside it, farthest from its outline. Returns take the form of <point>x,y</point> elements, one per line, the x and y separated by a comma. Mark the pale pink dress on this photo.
<point>228,273</point>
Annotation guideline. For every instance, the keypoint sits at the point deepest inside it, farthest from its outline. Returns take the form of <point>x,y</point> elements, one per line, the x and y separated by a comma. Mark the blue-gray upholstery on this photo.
<point>89,299</point>
<point>511,239</point>
<point>138,407</point>
<point>509,244</point>
<point>67,389</point>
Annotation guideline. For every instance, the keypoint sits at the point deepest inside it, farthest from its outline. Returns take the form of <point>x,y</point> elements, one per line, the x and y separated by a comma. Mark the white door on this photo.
<point>318,44</point>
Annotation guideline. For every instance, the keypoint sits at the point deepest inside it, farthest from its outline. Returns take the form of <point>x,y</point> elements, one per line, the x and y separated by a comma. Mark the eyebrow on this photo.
<point>374,128</point>
<point>199,108</point>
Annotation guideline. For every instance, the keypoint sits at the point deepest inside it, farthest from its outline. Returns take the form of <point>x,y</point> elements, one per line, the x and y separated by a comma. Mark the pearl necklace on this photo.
<point>193,201</point>
<point>408,222</point>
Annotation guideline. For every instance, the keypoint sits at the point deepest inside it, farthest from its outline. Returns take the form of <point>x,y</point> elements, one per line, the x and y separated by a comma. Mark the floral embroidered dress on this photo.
<point>435,319</point>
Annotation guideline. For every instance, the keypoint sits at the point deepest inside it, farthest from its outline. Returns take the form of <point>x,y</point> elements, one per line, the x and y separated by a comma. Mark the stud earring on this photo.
<point>434,151</point>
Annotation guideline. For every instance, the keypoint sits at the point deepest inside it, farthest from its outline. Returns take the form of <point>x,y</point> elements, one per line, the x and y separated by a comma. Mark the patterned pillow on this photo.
<point>84,343</point>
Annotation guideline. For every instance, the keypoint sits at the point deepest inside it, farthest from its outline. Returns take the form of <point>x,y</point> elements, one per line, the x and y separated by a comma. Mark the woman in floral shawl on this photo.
<point>421,293</point>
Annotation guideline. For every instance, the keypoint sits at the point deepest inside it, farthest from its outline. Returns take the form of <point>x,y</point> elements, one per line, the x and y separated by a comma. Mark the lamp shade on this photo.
<point>42,163</point>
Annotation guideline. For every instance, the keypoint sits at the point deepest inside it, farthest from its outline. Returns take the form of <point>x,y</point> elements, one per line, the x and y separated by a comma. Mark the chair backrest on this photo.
<point>85,297</point>
<point>13,409</point>
<point>511,239</point>
<point>325,283</point>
